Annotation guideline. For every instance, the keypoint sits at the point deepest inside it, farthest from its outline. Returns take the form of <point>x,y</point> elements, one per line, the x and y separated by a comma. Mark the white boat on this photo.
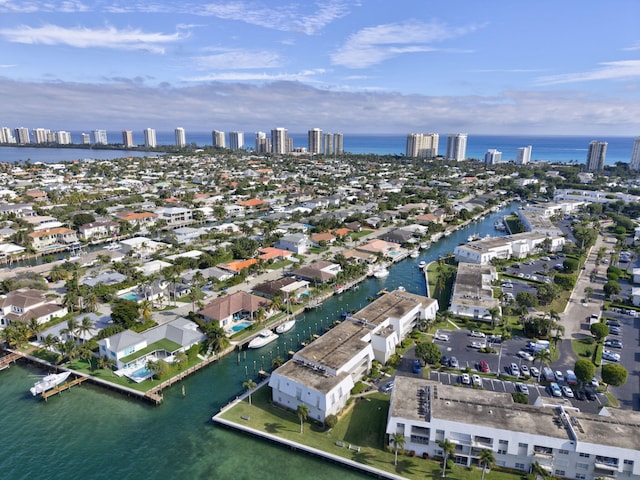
<point>473,238</point>
<point>381,273</point>
<point>425,245</point>
<point>286,326</point>
<point>112,246</point>
<point>48,382</point>
<point>422,264</point>
<point>339,289</point>
<point>414,254</point>
<point>265,336</point>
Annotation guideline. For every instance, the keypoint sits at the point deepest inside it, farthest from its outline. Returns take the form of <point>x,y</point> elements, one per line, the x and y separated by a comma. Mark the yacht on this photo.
<point>48,382</point>
<point>422,264</point>
<point>414,254</point>
<point>264,337</point>
<point>381,272</point>
<point>286,326</point>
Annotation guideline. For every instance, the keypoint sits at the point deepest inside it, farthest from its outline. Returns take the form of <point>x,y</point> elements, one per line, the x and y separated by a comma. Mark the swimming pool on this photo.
<point>240,326</point>
<point>140,374</point>
<point>130,296</point>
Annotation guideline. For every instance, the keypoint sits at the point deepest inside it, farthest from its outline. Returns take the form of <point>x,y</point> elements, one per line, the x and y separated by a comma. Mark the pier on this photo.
<point>8,359</point>
<point>65,386</point>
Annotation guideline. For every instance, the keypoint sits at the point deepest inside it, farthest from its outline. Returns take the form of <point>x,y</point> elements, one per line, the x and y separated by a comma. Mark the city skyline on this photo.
<point>356,67</point>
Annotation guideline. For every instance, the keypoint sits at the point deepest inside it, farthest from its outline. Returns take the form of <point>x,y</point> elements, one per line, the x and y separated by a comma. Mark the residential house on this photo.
<point>295,242</point>
<point>24,304</point>
<point>272,253</point>
<point>229,310</point>
<point>319,271</point>
<point>325,237</point>
<point>287,288</point>
<point>380,247</point>
<point>519,245</point>
<point>53,238</point>
<point>472,294</point>
<point>175,216</point>
<point>141,246</point>
<point>142,220</point>
<point>98,230</point>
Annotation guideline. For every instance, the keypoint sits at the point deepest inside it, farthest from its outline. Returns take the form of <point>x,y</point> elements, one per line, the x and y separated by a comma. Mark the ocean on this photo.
<point>563,149</point>
<point>92,433</point>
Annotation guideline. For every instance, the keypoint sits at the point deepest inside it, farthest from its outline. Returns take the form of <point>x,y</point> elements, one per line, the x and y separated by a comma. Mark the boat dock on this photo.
<point>65,386</point>
<point>8,359</point>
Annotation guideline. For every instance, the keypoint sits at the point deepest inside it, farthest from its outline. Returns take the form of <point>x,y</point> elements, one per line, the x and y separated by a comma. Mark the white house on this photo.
<point>294,242</point>
<point>141,246</point>
<point>472,294</point>
<point>519,245</point>
<point>24,304</point>
<point>322,374</point>
<point>175,216</point>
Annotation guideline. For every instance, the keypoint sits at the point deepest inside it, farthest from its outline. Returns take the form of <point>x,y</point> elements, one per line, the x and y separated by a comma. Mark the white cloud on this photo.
<point>239,59</point>
<point>305,75</point>
<point>374,45</point>
<point>83,37</point>
<point>624,69</point>
<point>66,6</point>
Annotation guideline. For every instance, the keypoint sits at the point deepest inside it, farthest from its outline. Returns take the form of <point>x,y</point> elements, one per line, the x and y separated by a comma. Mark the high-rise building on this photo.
<point>150,137</point>
<point>85,139</point>
<point>262,143</point>
<point>181,137</point>
<point>422,145</point>
<point>492,157</point>
<point>315,141</point>
<point>40,135</point>
<point>338,144</point>
<point>596,155</point>
<point>457,146</point>
<point>236,140</point>
<point>63,137</point>
<point>635,155</point>
<point>6,136</point>
<point>328,144</point>
<point>22,135</point>
<point>218,139</point>
<point>523,155</point>
<point>100,137</point>
<point>279,143</point>
<point>127,138</point>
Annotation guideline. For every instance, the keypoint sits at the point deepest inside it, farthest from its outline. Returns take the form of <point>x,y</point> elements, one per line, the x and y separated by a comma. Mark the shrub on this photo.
<point>330,421</point>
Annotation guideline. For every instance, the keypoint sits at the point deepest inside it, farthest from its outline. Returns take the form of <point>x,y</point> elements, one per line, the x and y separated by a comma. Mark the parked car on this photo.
<point>615,330</point>
<point>613,323</point>
<point>478,345</point>
<point>591,395</point>
<point>567,391</point>
<point>465,379</point>
<point>494,339</point>
<point>595,383</point>
<point>522,388</point>
<point>387,387</point>
<point>416,367</point>
<point>525,355</point>
<point>613,343</point>
<point>484,366</point>
<point>477,381</point>
<point>475,333</point>
<point>534,372</point>
<point>443,337</point>
<point>611,356</point>
<point>453,363</point>
<point>444,360</point>
<point>559,376</point>
<point>580,395</point>
<point>555,389</point>
<point>524,370</point>
<point>515,371</point>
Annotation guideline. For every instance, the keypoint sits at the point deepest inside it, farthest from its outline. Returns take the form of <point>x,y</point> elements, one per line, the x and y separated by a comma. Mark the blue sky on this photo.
<point>356,66</point>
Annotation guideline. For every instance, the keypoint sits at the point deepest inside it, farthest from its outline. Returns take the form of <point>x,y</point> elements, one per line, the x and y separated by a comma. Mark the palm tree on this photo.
<point>34,327</point>
<point>249,385</point>
<point>398,441</point>
<point>448,449</point>
<point>538,471</point>
<point>303,413</point>
<point>90,301</point>
<point>543,356</point>
<point>72,327</point>
<point>49,341</point>
<point>146,309</point>
<point>84,328</point>
<point>487,460</point>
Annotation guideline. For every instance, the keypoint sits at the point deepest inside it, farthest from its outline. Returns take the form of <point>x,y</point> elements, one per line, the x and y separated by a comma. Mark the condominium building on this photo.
<point>100,137</point>
<point>218,139</point>
<point>519,245</point>
<point>127,138</point>
<point>596,155</point>
<point>6,136</point>
<point>472,294</point>
<point>85,139</point>
<point>635,155</point>
<point>315,141</point>
<point>236,140</point>
<point>457,146</point>
<point>328,144</point>
<point>22,135</point>
<point>550,433</point>
<point>492,157</point>
<point>523,155</point>
<point>422,145</point>
<point>279,140</point>
<point>338,144</point>
<point>41,135</point>
<point>181,137</point>
<point>263,145</point>
<point>150,138</point>
<point>63,137</point>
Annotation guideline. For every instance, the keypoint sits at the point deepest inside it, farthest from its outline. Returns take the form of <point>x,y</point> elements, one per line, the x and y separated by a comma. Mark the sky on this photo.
<point>353,66</point>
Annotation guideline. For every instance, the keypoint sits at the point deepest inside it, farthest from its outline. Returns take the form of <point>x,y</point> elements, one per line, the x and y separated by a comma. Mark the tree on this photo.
<point>487,460</point>
<point>527,299</point>
<point>249,385</point>
<point>599,330</point>
<point>495,315</point>
<point>80,219</point>
<point>588,291</point>
<point>124,312</point>
<point>584,370</point>
<point>548,292</point>
<point>448,449</point>
<point>160,368</point>
<point>217,339</point>
<point>614,374</point>
<point>146,309</point>
<point>398,441</point>
<point>543,356</point>
<point>71,330</point>
<point>84,327</point>
<point>428,352</point>
<point>611,288</point>
<point>302,412</point>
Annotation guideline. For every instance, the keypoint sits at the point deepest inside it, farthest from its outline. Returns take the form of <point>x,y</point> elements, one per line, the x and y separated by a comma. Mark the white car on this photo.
<point>534,372</point>
<point>526,355</point>
<point>477,381</point>
<point>515,371</point>
<point>595,383</point>
<point>443,337</point>
<point>522,388</point>
<point>567,391</point>
<point>475,333</point>
<point>525,370</point>
<point>477,345</point>
<point>465,378</point>
<point>559,376</point>
<point>611,356</point>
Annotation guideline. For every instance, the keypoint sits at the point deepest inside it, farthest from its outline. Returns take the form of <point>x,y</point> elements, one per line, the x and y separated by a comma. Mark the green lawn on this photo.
<point>443,296</point>
<point>363,425</point>
<point>584,347</point>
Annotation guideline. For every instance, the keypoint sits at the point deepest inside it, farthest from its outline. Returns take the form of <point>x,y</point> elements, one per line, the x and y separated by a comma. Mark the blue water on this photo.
<point>240,326</point>
<point>92,433</point>
<point>130,296</point>
<point>142,373</point>
<point>565,149</point>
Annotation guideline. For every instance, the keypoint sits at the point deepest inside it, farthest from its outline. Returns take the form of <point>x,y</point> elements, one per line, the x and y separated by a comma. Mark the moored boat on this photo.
<point>381,273</point>
<point>48,382</point>
<point>422,264</point>
<point>264,337</point>
<point>286,326</point>
<point>414,254</point>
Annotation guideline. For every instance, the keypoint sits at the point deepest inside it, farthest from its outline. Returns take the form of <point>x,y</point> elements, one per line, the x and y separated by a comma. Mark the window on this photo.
<point>584,455</point>
<point>420,440</point>
<point>563,452</point>
<point>520,466</point>
<point>559,472</point>
<point>628,462</point>
<point>580,476</point>
<point>582,466</point>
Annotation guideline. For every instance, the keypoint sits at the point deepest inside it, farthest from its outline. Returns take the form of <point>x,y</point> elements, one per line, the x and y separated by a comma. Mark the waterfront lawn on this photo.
<point>443,295</point>
<point>363,426</point>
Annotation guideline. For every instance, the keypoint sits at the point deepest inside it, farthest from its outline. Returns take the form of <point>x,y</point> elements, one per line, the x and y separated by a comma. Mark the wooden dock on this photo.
<point>9,359</point>
<point>61,388</point>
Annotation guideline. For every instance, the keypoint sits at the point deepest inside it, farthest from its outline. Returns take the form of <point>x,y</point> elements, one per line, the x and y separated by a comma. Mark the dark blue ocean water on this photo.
<point>565,149</point>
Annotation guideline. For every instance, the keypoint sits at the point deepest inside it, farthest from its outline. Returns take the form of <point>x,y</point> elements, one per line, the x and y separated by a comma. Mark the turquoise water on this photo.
<point>130,296</point>
<point>240,326</point>
<point>141,374</point>
<point>92,433</point>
